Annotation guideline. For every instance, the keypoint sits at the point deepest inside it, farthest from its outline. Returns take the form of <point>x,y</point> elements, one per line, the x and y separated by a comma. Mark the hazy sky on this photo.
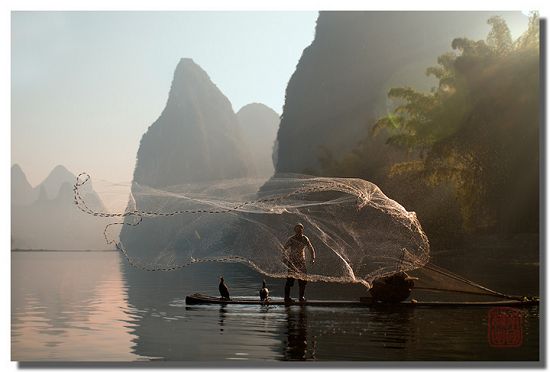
<point>86,85</point>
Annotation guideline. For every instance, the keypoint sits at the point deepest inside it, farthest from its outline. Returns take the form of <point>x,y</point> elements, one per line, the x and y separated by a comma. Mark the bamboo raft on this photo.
<point>201,299</point>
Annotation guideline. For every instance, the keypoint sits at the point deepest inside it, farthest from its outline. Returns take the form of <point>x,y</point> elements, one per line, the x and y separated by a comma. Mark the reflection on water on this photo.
<point>223,311</point>
<point>296,333</point>
<point>92,306</point>
<point>69,306</point>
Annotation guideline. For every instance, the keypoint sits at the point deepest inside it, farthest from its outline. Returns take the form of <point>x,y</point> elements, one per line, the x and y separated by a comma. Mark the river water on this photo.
<point>91,306</point>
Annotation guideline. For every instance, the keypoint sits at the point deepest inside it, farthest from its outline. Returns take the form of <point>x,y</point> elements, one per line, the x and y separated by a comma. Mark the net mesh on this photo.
<point>358,233</point>
<point>433,278</point>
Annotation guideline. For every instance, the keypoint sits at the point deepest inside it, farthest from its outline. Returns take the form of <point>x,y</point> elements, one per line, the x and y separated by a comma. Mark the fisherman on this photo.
<point>295,259</point>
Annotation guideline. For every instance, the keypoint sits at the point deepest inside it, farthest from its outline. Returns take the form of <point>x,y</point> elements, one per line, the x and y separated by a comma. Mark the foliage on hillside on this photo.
<point>476,133</point>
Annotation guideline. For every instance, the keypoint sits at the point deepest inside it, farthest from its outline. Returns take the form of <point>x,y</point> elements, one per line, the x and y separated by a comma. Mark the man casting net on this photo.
<point>359,234</point>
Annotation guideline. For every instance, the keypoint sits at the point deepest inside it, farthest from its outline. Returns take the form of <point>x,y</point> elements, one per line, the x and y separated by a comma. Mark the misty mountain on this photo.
<point>56,224</point>
<point>21,190</point>
<point>47,218</point>
<point>57,177</point>
<point>24,194</point>
<point>259,125</point>
<point>340,84</point>
<point>196,139</point>
<point>197,136</point>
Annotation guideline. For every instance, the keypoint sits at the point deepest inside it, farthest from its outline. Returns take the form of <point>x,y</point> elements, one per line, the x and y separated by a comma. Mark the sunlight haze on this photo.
<point>87,85</point>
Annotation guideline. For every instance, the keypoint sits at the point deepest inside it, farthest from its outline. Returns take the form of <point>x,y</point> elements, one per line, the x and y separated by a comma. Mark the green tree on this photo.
<point>478,130</point>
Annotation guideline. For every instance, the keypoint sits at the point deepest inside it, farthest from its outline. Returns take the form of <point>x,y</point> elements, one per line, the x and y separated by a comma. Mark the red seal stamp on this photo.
<point>505,327</point>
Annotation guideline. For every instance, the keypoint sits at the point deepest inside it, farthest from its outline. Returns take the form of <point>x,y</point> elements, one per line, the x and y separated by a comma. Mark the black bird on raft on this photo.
<point>264,292</point>
<point>224,291</point>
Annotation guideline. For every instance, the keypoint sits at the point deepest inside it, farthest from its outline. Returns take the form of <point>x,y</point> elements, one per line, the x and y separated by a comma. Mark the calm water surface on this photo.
<point>90,306</point>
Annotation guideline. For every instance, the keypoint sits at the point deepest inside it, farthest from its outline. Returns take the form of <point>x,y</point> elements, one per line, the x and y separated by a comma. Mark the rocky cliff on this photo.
<point>340,84</point>
<point>196,138</point>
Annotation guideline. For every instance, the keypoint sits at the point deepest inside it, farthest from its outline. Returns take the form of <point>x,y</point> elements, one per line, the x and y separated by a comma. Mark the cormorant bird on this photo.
<point>224,292</point>
<point>264,292</point>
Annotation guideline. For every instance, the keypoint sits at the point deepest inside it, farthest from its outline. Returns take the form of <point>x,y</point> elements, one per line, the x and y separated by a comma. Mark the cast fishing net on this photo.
<point>358,233</point>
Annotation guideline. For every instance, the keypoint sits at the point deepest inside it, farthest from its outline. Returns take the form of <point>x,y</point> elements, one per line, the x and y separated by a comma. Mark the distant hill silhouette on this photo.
<point>21,190</point>
<point>46,218</point>
<point>24,194</point>
<point>57,177</point>
<point>259,125</point>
